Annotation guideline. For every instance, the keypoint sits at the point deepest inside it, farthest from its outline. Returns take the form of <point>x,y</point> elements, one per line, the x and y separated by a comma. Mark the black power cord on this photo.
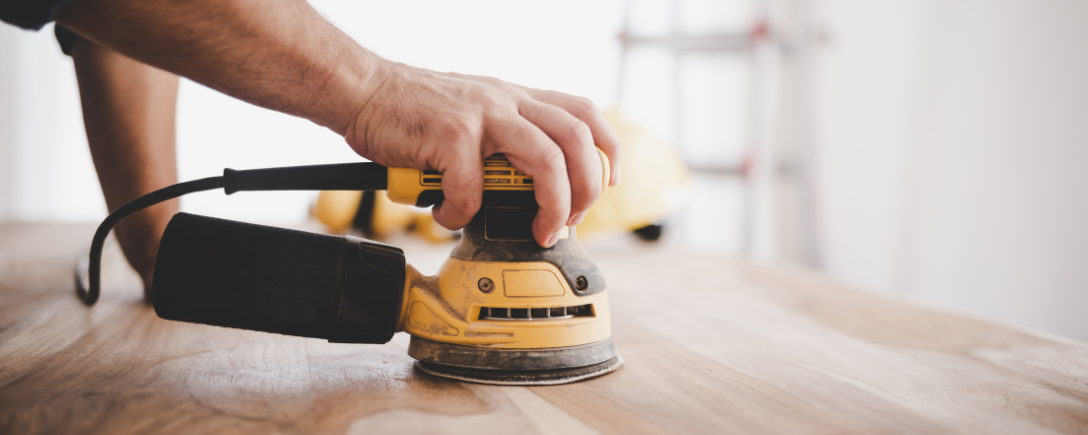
<point>89,294</point>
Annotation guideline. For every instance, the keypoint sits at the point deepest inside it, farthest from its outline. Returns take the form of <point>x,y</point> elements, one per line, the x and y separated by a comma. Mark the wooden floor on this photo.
<point>712,346</point>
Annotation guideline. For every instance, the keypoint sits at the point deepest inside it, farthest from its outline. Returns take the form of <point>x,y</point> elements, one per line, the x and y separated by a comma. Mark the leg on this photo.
<point>129,112</point>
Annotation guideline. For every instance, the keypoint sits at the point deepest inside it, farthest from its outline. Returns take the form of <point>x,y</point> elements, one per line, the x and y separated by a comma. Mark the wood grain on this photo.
<point>712,346</point>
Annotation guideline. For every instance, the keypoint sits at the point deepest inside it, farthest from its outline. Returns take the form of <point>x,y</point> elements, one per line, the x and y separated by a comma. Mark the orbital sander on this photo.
<point>502,310</point>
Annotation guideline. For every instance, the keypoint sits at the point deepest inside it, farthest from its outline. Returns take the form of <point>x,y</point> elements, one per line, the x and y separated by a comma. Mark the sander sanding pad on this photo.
<point>519,377</point>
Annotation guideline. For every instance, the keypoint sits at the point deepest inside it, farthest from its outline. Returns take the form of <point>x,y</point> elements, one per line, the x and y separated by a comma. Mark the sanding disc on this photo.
<point>520,377</point>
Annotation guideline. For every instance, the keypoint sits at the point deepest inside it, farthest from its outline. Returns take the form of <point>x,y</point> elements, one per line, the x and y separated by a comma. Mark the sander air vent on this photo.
<point>554,313</point>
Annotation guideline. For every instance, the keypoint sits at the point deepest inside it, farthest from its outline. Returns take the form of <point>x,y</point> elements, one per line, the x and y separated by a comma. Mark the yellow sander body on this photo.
<point>525,306</point>
<point>491,316</point>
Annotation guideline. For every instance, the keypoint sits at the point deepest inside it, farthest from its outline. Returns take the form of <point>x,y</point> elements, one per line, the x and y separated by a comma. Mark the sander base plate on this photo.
<point>521,377</point>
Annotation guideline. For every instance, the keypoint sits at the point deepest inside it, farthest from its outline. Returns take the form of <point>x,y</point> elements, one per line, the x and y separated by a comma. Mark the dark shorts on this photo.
<point>34,14</point>
<point>66,38</point>
<point>30,14</point>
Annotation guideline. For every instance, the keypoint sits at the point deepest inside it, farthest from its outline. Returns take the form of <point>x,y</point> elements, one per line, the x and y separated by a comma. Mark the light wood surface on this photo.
<point>712,346</point>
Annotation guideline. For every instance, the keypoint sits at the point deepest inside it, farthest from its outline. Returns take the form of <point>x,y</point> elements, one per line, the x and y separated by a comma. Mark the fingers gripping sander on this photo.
<point>502,310</point>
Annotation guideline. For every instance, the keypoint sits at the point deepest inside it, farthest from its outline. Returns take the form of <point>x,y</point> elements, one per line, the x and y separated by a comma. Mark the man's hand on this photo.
<point>449,122</point>
<point>283,55</point>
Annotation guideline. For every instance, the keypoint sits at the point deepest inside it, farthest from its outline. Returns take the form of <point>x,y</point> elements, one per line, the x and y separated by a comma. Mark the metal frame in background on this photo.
<point>779,205</point>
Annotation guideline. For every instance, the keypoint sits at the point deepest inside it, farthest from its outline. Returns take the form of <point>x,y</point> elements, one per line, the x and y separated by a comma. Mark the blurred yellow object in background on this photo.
<point>375,216</point>
<point>336,209</point>
<point>655,183</point>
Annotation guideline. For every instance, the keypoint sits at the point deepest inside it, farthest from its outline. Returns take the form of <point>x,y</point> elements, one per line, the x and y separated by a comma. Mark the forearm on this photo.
<point>278,54</point>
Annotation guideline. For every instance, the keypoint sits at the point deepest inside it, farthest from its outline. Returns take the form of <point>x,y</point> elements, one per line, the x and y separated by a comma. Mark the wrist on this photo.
<point>360,81</point>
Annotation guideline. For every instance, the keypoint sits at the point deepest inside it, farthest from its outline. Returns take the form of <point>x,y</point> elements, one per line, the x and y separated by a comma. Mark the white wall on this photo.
<point>1003,193</point>
<point>45,167</point>
<point>954,138</point>
<point>866,98</point>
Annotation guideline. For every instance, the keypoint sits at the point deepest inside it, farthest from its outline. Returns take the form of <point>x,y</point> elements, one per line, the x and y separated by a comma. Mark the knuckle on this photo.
<point>582,133</point>
<point>489,97</point>
<point>611,145</point>
<point>553,158</point>
<point>494,81</point>
<point>583,108</point>
<point>594,189</point>
<point>468,206</point>
<point>554,214</point>
<point>594,193</point>
<point>459,130</point>
<point>575,133</point>
<point>588,195</point>
<point>613,150</point>
<point>614,153</point>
